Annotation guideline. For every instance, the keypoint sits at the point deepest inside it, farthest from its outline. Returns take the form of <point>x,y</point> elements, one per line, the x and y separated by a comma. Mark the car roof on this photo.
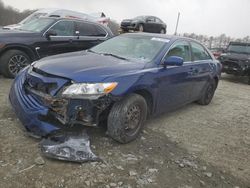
<point>70,19</point>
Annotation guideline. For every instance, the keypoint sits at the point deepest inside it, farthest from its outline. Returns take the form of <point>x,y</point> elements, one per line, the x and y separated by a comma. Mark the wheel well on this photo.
<point>23,49</point>
<point>148,98</point>
<point>216,81</point>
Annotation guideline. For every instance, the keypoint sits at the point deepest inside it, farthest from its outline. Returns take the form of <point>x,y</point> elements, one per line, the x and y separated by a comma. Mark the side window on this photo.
<point>157,20</point>
<point>199,52</point>
<point>64,28</point>
<point>150,19</point>
<point>180,49</point>
<point>88,29</point>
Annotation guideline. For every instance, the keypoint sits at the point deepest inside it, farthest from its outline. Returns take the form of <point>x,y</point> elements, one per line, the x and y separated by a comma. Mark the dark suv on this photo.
<point>149,24</point>
<point>236,60</point>
<point>45,37</point>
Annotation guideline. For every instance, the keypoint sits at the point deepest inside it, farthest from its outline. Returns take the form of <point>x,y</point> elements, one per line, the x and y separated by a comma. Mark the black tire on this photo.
<point>248,80</point>
<point>163,31</point>
<point>126,118</point>
<point>12,61</point>
<point>208,93</point>
<point>141,28</point>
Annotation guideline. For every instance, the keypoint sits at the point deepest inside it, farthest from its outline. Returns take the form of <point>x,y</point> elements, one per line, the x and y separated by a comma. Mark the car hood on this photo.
<point>13,26</point>
<point>16,33</point>
<point>87,67</point>
<point>242,59</point>
<point>236,56</point>
<point>127,20</point>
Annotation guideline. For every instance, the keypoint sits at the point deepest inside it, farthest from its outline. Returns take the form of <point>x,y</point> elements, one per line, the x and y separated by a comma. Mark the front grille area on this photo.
<point>125,24</point>
<point>28,101</point>
<point>231,64</point>
<point>43,82</point>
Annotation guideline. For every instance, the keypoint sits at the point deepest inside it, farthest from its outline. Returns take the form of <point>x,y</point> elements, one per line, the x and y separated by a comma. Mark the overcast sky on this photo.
<point>209,17</point>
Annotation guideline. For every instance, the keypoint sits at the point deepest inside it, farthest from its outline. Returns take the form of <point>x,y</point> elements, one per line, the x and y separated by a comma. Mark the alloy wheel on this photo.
<point>17,63</point>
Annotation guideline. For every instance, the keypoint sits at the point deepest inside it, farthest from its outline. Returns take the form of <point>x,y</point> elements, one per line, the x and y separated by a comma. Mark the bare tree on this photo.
<point>9,15</point>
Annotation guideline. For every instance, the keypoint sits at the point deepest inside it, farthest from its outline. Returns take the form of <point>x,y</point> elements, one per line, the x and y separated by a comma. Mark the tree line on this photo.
<point>10,15</point>
<point>220,41</point>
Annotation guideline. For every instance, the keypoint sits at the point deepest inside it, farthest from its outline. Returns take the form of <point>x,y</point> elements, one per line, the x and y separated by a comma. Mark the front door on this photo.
<point>174,82</point>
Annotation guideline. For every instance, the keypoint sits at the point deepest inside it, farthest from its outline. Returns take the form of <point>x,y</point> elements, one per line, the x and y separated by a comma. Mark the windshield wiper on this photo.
<point>89,50</point>
<point>113,55</point>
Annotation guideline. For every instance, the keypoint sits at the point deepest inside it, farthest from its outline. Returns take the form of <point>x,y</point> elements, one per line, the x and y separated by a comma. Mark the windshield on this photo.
<point>32,17</point>
<point>37,25</point>
<point>139,18</point>
<point>143,48</point>
<point>239,48</point>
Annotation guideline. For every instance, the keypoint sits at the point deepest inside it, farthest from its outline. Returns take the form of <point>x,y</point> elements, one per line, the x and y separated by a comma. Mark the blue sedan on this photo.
<point>121,82</point>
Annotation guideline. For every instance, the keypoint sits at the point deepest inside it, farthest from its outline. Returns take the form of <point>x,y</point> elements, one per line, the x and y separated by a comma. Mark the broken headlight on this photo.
<point>88,90</point>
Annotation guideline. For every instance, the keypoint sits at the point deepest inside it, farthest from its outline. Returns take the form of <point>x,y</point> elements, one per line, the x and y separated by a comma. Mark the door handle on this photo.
<point>193,71</point>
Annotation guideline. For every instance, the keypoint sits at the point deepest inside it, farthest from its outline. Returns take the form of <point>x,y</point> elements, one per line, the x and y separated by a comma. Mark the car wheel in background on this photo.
<point>208,93</point>
<point>126,118</point>
<point>12,62</point>
<point>141,28</point>
<point>162,31</point>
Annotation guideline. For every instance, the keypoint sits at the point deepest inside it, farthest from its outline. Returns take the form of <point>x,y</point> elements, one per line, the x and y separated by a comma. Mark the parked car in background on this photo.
<point>60,13</point>
<point>120,81</point>
<point>149,24</point>
<point>236,60</point>
<point>46,36</point>
<point>217,52</point>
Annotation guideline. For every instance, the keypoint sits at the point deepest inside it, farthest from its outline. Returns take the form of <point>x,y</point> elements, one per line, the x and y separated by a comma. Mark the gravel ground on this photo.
<point>195,146</point>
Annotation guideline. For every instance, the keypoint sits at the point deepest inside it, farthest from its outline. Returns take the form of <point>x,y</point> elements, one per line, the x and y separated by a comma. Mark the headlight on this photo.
<point>88,90</point>
<point>2,45</point>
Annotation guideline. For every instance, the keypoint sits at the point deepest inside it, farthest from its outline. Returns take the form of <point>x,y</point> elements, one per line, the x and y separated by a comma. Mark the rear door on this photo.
<point>150,24</point>
<point>202,65</point>
<point>175,83</point>
<point>89,35</point>
<point>158,25</point>
<point>64,41</point>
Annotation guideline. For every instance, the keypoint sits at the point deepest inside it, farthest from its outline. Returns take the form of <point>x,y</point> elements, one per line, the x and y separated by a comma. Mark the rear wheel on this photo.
<point>162,31</point>
<point>12,62</point>
<point>208,93</point>
<point>126,118</point>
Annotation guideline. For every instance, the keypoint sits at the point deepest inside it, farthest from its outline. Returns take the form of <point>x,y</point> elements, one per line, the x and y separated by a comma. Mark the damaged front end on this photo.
<point>40,103</point>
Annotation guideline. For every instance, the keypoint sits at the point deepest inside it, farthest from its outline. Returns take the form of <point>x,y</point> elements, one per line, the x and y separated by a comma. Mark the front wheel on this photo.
<point>141,28</point>
<point>126,118</point>
<point>208,93</point>
<point>12,62</point>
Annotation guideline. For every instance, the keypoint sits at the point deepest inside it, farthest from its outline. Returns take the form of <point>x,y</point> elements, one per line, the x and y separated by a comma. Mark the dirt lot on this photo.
<point>195,146</point>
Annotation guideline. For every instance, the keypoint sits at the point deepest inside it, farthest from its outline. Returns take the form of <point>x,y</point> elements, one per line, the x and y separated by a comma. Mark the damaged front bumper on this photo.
<point>235,68</point>
<point>42,113</point>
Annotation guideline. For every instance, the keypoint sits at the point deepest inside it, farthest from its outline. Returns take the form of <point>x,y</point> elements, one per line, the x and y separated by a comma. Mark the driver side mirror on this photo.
<point>173,61</point>
<point>50,33</point>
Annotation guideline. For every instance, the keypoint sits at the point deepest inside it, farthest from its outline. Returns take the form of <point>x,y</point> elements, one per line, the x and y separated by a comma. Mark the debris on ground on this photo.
<point>39,161</point>
<point>68,146</point>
